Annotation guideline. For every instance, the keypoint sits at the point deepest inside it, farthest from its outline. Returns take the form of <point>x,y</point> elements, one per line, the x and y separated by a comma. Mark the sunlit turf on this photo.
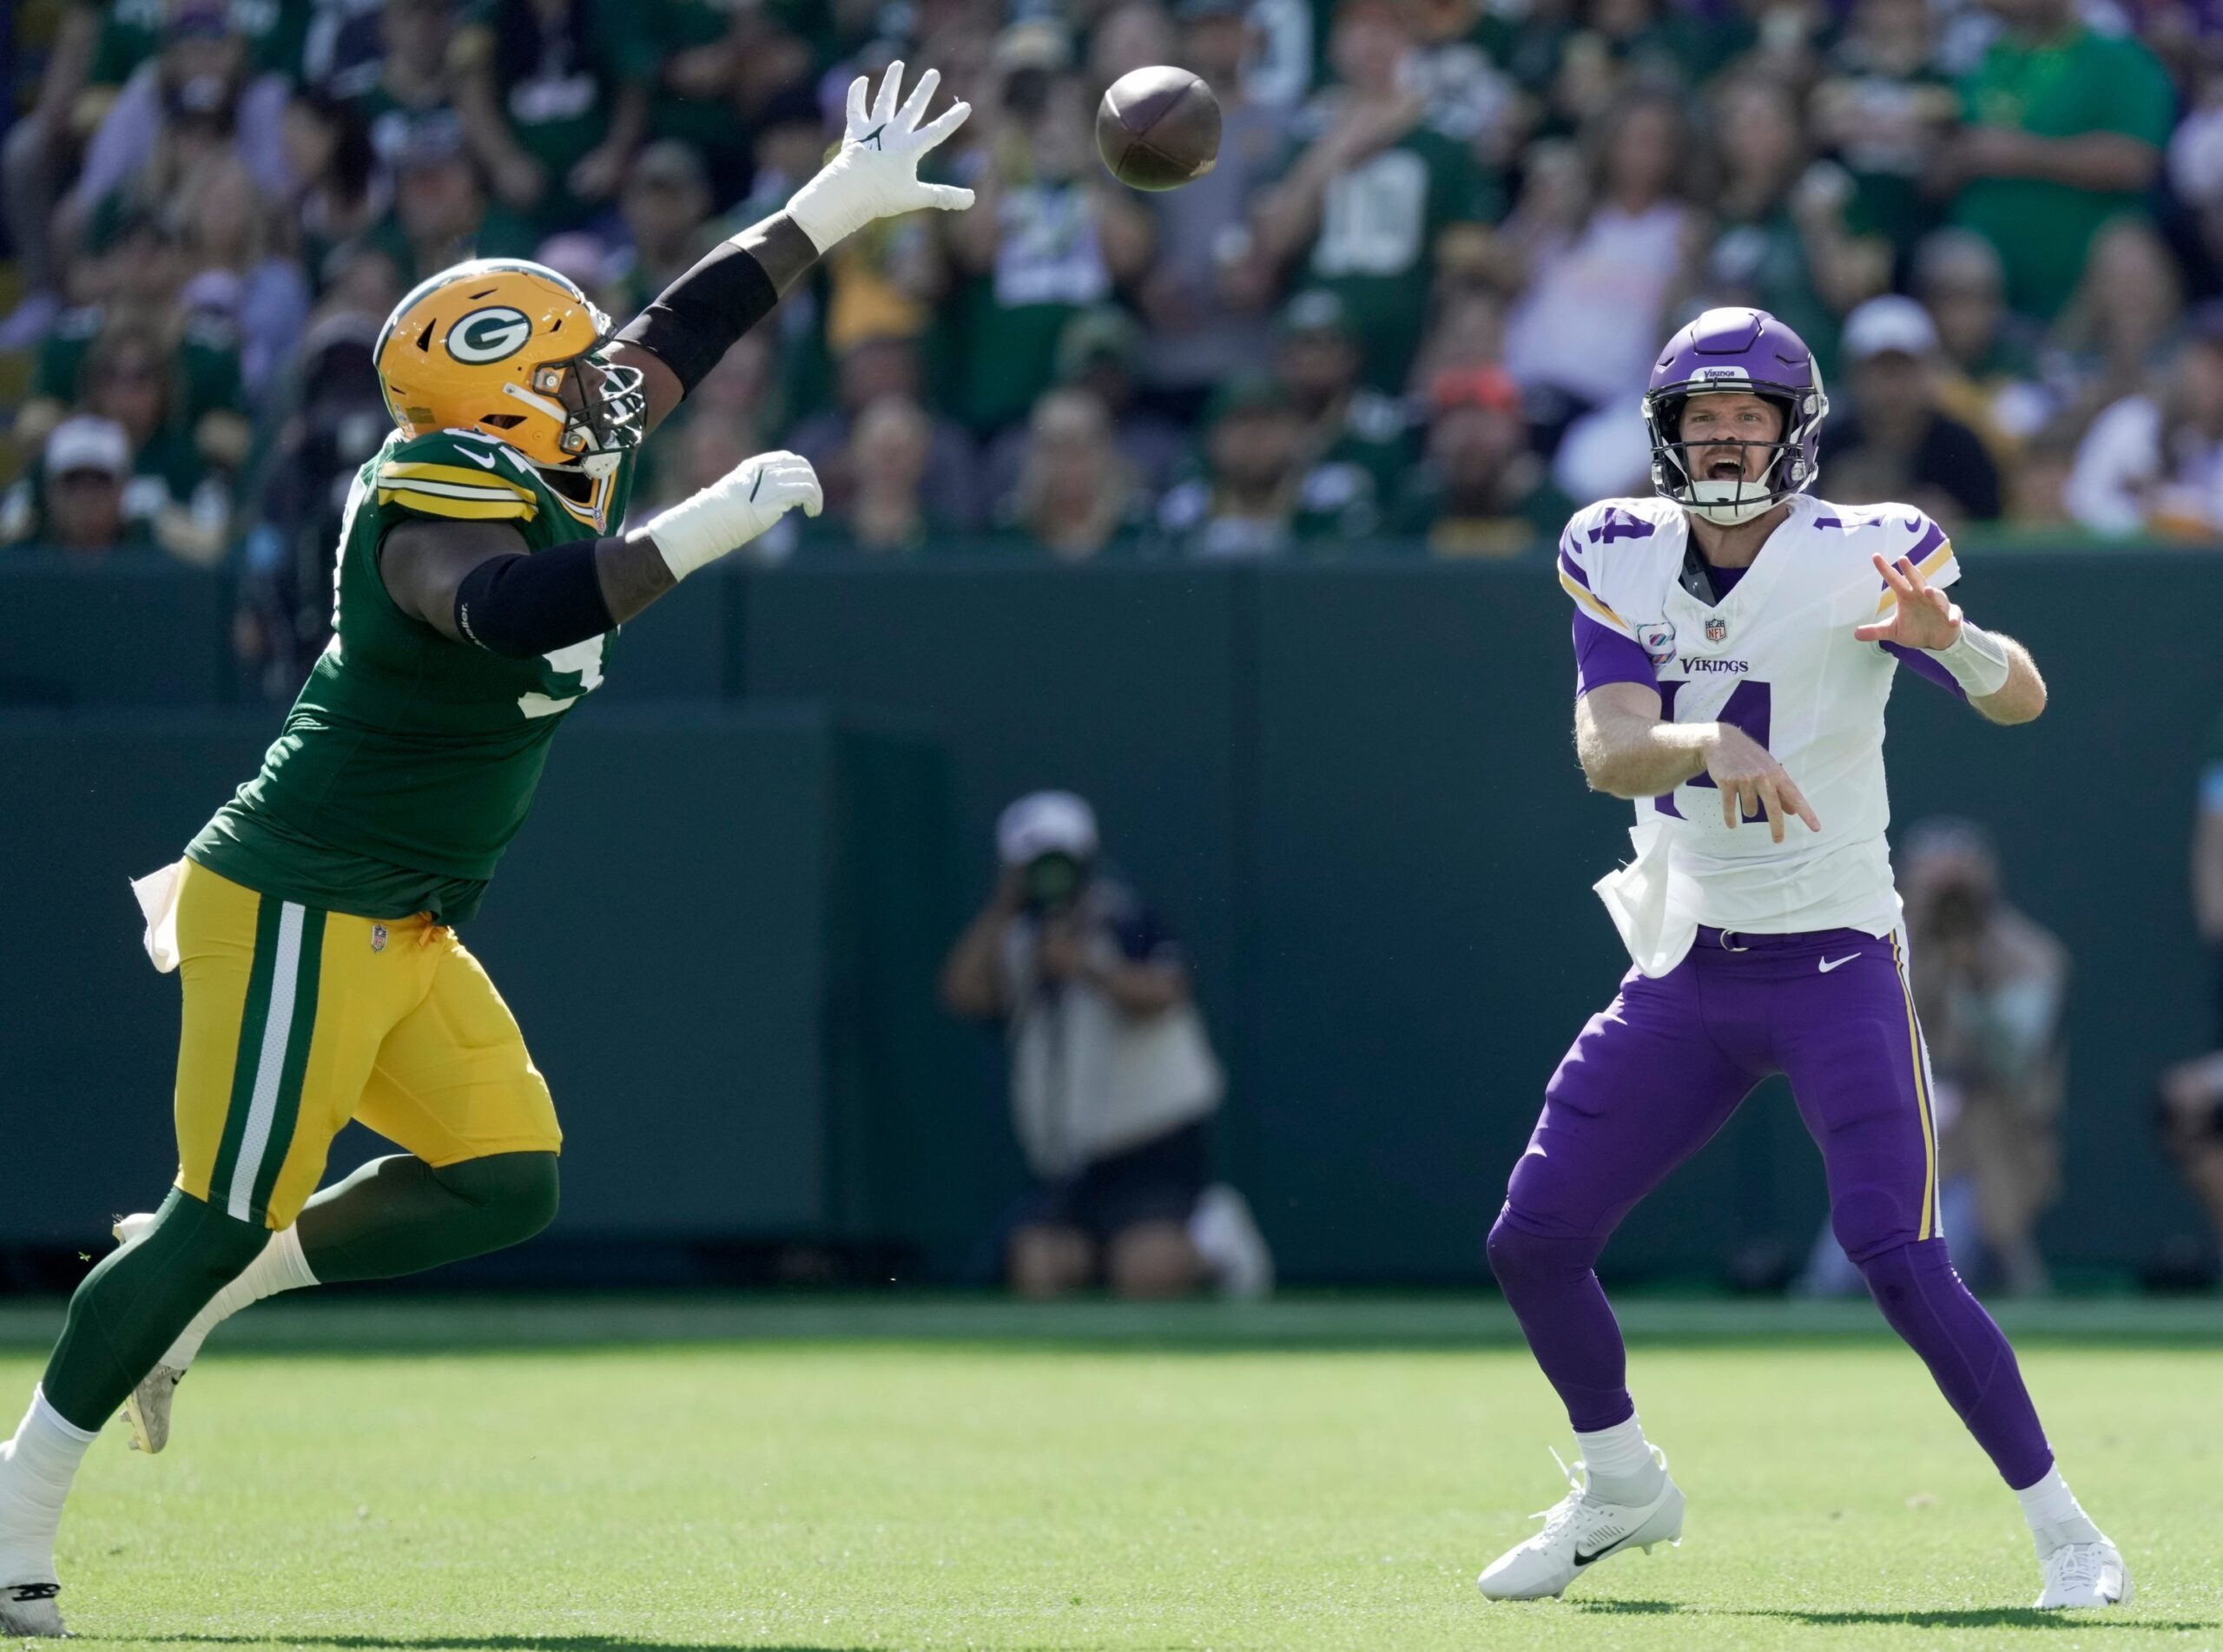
<point>650,1473</point>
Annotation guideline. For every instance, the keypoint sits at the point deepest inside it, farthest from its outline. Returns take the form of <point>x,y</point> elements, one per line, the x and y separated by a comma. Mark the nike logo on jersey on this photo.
<point>488,461</point>
<point>1829,964</point>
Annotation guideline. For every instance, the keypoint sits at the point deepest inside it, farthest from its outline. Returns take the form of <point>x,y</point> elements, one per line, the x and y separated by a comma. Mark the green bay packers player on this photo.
<point>481,580</point>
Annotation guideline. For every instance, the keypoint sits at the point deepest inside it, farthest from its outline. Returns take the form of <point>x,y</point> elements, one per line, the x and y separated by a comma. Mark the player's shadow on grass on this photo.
<point>1988,1617</point>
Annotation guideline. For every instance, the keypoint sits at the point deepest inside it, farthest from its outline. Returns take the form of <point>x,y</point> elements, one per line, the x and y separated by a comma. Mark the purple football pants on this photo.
<point>1648,1083</point>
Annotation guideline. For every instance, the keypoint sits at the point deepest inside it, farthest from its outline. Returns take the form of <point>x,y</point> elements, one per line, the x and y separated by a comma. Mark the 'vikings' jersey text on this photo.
<point>1776,657</point>
<point>409,760</point>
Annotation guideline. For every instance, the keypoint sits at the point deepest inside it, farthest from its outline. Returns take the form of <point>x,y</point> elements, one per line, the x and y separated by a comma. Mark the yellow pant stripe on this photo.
<point>1929,1226</point>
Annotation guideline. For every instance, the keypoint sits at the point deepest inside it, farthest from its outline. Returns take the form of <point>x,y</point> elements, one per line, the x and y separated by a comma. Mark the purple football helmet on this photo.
<point>1735,349</point>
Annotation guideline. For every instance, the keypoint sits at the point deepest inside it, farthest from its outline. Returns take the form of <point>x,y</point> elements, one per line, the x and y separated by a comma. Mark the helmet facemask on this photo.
<point>601,406</point>
<point>1728,500</point>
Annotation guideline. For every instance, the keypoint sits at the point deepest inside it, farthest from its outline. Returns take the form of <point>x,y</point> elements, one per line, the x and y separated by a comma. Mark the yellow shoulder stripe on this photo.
<point>1586,600</point>
<point>1929,567</point>
<point>487,506</point>
<point>462,476</point>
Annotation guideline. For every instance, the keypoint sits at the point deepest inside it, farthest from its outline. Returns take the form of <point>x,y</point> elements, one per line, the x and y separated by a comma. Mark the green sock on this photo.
<point>126,1313</point>
<point>399,1215</point>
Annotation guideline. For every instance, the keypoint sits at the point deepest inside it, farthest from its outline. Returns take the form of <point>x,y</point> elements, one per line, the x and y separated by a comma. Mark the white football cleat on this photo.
<point>2085,1574</point>
<point>1578,1532</point>
<point>30,1611</point>
<point>146,1408</point>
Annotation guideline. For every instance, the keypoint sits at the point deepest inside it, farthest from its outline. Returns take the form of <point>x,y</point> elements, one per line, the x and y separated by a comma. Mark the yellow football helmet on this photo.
<point>511,349</point>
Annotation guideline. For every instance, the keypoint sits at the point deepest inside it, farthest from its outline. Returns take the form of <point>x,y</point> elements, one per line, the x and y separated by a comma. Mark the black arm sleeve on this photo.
<point>521,606</point>
<point>695,319</point>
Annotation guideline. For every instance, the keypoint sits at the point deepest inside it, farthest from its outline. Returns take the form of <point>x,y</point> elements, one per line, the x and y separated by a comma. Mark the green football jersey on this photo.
<point>409,760</point>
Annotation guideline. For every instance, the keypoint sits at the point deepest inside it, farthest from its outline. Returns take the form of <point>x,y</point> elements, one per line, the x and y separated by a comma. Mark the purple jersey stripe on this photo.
<point>1932,536</point>
<point>1572,570</point>
<point>1924,663</point>
<point>1603,656</point>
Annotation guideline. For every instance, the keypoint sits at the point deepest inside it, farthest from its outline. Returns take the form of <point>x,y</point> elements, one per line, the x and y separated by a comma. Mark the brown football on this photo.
<point>1158,129</point>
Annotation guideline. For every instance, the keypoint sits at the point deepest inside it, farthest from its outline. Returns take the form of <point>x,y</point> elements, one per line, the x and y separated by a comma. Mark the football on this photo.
<point>1158,129</point>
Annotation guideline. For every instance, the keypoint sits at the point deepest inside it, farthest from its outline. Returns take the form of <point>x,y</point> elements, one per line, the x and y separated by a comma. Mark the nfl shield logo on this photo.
<point>1716,629</point>
<point>1657,642</point>
<point>377,938</point>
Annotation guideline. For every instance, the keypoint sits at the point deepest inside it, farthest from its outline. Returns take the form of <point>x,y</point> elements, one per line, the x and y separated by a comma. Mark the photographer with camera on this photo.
<point>1112,1076</point>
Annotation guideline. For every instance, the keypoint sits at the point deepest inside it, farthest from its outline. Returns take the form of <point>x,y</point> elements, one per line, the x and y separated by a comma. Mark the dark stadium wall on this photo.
<point>1350,788</point>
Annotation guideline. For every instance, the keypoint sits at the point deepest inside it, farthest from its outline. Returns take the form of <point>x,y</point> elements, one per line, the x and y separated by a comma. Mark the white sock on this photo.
<point>2055,1515</point>
<point>1620,1459</point>
<point>281,1267</point>
<point>35,1470</point>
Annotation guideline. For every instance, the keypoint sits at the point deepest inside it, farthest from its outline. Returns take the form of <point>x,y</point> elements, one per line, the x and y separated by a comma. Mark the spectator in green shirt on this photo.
<point>1373,185</point>
<point>2065,130</point>
<point>1252,502</point>
<point>1346,423</point>
<point>554,98</point>
<point>1882,113</point>
<point>1481,491</point>
<point>1050,234</point>
<point>440,211</point>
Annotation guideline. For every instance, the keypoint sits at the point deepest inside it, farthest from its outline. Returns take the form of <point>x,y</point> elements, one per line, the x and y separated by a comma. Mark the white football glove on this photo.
<point>733,510</point>
<point>875,173</point>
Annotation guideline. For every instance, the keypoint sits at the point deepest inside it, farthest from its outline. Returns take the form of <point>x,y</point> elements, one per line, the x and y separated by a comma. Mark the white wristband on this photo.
<point>1977,661</point>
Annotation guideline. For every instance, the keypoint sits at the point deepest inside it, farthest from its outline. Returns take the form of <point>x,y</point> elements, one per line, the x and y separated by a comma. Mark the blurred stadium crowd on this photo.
<point>1409,310</point>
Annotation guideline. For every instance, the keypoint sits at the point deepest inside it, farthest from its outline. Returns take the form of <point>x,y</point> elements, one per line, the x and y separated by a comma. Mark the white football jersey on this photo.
<point>1777,658</point>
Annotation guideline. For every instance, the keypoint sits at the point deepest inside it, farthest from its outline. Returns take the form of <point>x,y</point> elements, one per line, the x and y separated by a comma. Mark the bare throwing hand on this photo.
<point>1753,782</point>
<point>1923,617</point>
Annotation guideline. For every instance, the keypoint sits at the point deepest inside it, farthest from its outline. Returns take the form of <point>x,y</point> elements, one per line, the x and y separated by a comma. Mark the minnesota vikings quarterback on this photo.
<point>483,572</point>
<point>1735,644</point>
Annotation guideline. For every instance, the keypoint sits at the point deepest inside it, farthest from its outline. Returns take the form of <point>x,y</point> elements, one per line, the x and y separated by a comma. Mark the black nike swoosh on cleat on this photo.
<point>1582,1560</point>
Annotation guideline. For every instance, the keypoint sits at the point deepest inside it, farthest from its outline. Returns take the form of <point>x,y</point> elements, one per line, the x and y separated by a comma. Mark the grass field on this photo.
<point>599,1475</point>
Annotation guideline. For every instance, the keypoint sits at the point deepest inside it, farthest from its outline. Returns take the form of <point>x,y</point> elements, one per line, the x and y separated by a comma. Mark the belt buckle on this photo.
<point>1726,947</point>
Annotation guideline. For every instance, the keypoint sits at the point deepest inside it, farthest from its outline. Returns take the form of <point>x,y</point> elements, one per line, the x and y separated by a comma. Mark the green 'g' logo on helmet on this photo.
<point>491,334</point>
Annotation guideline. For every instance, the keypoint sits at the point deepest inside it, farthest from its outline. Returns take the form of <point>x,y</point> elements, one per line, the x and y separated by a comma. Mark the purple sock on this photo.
<point>1926,1304</point>
<point>1554,1291</point>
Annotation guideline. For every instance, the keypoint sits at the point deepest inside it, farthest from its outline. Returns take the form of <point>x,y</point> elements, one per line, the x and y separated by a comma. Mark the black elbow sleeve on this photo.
<point>695,320</point>
<point>521,606</point>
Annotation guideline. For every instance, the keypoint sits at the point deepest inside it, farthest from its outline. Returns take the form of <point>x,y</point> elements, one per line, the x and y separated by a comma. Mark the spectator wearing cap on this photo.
<point>1253,501</point>
<point>1481,491</point>
<point>1349,425</point>
<point>1096,355</point>
<point>554,99</point>
<point>1077,496</point>
<point>1372,183</point>
<point>2064,130</point>
<point>1207,294</point>
<point>872,368</point>
<point>2153,462</point>
<point>666,205</point>
<point>1603,242</point>
<point>1113,1082</point>
<point>75,506</point>
<point>440,211</point>
<point>1049,235</point>
<point>1895,437</point>
<point>199,95</point>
